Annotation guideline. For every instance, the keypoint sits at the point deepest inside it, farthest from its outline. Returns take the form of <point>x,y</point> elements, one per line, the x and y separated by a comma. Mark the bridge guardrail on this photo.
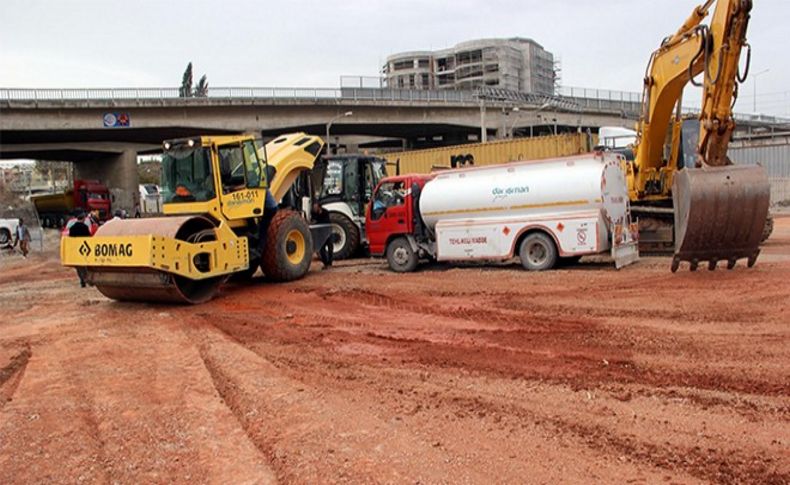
<point>605,100</point>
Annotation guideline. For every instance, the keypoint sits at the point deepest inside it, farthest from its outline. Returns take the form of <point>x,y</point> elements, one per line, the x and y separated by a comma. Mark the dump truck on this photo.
<point>498,212</point>
<point>217,223</point>
<point>54,210</point>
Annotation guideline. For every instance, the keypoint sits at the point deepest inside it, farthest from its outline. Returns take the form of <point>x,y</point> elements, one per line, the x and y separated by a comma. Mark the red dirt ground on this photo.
<point>449,375</point>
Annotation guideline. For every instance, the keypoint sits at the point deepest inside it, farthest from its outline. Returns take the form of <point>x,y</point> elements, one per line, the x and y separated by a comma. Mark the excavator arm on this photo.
<point>719,208</point>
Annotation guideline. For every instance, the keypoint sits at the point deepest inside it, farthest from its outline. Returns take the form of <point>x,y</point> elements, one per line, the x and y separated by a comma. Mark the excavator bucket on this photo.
<point>719,214</point>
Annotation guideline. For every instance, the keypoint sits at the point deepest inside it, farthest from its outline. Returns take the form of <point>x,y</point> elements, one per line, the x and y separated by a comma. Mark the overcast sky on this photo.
<point>147,43</point>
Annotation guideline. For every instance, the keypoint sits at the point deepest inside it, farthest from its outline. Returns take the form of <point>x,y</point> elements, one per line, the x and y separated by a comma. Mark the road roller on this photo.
<point>223,218</point>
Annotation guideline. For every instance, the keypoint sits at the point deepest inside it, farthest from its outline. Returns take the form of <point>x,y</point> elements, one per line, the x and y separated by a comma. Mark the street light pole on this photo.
<point>516,110</point>
<point>329,125</point>
<point>483,131</point>
<point>755,88</point>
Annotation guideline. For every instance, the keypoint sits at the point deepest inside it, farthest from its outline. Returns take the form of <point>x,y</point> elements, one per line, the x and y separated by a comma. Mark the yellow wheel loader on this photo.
<point>218,223</point>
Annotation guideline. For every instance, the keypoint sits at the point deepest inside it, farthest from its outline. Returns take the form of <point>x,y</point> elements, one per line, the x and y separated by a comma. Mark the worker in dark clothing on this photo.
<point>80,229</point>
<point>326,253</point>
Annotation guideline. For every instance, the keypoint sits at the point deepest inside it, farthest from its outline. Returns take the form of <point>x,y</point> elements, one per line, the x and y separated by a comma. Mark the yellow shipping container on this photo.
<point>538,148</point>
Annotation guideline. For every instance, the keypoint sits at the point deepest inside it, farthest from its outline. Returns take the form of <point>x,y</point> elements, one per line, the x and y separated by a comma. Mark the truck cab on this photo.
<point>394,211</point>
<point>92,195</point>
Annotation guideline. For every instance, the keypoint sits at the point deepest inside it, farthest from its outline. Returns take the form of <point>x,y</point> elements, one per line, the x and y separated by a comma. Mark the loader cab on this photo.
<point>351,179</point>
<point>221,176</point>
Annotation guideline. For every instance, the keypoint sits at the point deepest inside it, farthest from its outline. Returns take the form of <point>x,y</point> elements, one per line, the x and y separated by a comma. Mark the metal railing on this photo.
<point>585,98</point>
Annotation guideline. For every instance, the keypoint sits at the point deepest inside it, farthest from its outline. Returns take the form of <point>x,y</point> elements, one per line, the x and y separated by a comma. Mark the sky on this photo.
<point>601,44</point>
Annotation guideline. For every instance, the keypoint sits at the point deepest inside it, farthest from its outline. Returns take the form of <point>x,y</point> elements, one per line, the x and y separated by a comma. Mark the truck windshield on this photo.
<point>187,175</point>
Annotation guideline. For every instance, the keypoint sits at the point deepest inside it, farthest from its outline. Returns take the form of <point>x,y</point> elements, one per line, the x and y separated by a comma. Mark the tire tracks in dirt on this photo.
<point>309,435</point>
<point>721,466</point>
<point>11,374</point>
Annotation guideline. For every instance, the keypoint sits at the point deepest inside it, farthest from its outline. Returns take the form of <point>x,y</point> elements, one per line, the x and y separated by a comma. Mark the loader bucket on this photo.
<point>719,214</point>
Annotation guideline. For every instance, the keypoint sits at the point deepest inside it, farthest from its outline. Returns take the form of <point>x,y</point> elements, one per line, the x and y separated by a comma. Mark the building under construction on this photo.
<point>515,64</point>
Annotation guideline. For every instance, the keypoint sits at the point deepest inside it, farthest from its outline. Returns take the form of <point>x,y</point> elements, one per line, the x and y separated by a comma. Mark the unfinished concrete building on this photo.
<point>515,64</point>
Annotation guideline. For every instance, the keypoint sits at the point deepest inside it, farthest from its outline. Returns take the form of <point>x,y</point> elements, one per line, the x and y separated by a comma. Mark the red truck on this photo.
<point>87,195</point>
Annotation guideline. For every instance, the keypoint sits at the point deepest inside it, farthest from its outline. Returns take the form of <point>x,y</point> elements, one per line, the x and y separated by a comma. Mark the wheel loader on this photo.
<point>218,223</point>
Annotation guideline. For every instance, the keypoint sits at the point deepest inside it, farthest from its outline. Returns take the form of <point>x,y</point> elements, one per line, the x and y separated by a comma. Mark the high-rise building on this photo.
<point>515,64</point>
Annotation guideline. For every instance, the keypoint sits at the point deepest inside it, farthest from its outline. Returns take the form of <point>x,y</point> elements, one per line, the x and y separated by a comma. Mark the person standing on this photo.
<point>80,229</point>
<point>327,251</point>
<point>22,236</point>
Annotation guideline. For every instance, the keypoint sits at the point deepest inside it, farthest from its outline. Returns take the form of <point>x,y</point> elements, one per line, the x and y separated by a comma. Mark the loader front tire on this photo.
<point>289,247</point>
<point>345,236</point>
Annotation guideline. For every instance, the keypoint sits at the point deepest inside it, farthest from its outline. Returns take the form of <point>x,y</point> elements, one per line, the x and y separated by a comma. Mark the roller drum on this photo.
<point>141,284</point>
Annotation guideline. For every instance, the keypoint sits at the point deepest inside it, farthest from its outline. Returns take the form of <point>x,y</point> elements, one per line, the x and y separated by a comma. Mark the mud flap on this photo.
<point>719,214</point>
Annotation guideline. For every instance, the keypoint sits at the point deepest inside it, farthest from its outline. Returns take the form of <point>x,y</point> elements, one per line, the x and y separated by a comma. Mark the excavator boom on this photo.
<point>719,208</point>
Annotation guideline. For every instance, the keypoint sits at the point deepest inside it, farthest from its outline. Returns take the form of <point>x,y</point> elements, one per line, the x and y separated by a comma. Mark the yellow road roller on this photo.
<point>221,196</point>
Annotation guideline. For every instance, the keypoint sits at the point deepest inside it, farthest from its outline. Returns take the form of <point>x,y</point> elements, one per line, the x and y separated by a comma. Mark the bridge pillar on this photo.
<point>119,173</point>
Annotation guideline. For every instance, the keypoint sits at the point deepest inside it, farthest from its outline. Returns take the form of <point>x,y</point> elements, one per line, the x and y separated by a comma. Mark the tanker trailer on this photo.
<point>538,211</point>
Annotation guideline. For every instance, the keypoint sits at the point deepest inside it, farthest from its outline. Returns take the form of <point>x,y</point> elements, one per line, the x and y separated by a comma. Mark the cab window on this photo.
<point>231,165</point>
<point>389,194</point>
<point>251,165</point>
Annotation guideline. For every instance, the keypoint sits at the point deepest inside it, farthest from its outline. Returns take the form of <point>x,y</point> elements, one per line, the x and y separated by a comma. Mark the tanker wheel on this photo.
<point>537,252</point>
<point>768,228</point>
<point>400,256</point>
<point>289,245</point>
<point>345,236</point>
<point>5,238</point>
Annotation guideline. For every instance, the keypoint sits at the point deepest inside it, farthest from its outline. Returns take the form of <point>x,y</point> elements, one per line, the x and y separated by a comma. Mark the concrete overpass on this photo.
<point>103,130</point>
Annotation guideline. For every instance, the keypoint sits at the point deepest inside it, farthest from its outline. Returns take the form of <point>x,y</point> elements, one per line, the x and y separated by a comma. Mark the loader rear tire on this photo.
<point>289,247</point>
<point>345,236</point>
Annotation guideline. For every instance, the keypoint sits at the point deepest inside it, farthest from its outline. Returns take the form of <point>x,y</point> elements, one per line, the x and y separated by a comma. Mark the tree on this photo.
<point>201,90</point>
<point>186,83</point>
<point>186,91</point>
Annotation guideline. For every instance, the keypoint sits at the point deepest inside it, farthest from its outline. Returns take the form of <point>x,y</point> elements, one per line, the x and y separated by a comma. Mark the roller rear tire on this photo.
<point>289,247</point>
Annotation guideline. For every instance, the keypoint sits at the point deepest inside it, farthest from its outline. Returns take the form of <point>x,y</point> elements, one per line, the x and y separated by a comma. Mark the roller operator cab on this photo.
<point>540,212</point>
<point>220,198</point>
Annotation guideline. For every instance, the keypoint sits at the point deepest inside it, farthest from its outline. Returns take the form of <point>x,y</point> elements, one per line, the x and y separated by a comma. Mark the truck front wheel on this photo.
<point>400,256</point>
<point>345,236</point>
<point>537,252</point>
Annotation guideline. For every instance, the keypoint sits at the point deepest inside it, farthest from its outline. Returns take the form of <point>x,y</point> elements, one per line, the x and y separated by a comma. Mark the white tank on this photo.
<point>521,188</point>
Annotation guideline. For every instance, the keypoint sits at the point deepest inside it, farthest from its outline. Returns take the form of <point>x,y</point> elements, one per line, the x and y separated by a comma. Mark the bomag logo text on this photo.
<point>112,250</point>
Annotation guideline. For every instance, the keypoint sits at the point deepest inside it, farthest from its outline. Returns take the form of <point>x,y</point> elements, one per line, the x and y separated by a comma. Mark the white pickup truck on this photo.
<point>7,230</point>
